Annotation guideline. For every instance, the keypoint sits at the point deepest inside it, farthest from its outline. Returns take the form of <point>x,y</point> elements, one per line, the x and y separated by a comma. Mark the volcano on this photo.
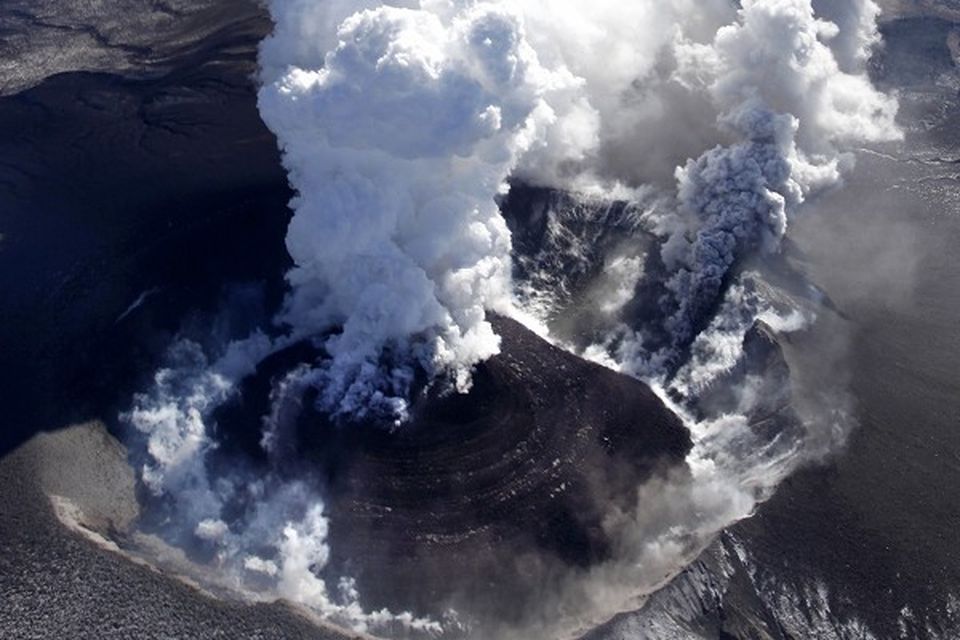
<point>144,203</point>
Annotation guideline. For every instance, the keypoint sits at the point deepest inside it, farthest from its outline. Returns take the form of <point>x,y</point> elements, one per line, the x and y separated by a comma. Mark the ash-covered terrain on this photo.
<point>773,457</point>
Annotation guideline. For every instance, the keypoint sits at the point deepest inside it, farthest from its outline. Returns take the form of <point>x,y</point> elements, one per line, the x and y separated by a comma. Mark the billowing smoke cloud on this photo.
<point>783,95</point>
<point>400,124</point>
<point>397,141</point>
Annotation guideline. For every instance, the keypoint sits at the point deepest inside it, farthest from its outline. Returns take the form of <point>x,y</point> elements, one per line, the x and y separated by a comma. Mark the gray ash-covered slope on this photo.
<point>55,583</point>
<point>894,10</point>
<point>482,500</point>
<point>505,487</point>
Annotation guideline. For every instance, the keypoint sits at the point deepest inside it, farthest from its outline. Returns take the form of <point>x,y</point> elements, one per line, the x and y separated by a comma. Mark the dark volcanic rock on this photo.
<point>485,495</point>
<point>164,183</point>
<point>764,367</point>
<point>567,250</point>
<point>132,38</point>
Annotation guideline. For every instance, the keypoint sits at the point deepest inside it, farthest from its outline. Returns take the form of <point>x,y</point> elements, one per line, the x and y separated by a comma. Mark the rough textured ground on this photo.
<point>55,583</point>
<point>509,485</point>
<point>131,38</point>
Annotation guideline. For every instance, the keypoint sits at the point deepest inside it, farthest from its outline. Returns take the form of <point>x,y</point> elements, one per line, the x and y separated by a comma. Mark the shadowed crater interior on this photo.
<point>484,498</point>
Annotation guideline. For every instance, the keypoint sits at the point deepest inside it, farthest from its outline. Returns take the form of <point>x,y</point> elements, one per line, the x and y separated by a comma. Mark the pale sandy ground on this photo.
<point>68,580</point>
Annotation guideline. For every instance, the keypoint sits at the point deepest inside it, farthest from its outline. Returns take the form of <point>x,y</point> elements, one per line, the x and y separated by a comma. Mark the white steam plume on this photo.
<point>397,141</point>
<point>781,93</point>
<point>401,121</point>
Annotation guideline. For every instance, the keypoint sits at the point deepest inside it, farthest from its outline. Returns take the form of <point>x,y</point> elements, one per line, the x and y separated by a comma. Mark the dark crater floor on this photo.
<point>483,498</point>
<point>501,487</point>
